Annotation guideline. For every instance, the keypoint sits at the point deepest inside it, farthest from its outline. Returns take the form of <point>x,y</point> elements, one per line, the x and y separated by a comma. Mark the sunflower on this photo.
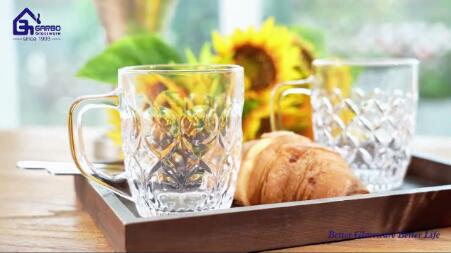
<point>155,90</point>
<point>114,132</point>
<point>269,56</point>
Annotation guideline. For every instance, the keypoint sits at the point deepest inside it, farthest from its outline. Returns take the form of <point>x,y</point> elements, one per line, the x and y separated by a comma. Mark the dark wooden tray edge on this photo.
<point>100,211</point>
<point>110,219</point>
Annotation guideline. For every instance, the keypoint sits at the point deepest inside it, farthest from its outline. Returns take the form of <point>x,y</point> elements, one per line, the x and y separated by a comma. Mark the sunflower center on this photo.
<point>258,64</point>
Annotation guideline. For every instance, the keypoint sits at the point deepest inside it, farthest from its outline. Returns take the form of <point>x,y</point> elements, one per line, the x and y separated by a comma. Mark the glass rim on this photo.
<point>181,68</point>
<point>368,62</point>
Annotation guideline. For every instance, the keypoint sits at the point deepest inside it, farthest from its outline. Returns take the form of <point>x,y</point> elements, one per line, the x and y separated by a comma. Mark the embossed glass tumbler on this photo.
<point>363,109</point>
<point>181,135</point>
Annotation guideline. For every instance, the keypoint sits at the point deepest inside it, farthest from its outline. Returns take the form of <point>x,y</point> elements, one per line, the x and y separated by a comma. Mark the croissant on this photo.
<point>283,166</point>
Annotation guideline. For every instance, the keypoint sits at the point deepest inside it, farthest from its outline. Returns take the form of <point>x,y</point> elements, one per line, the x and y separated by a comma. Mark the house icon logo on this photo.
<point>27,26</point>
<point>22,24</point>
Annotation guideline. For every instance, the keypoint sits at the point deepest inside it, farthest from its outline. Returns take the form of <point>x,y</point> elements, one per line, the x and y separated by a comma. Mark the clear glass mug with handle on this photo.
<point>181,135</point>
<point>363,109</point>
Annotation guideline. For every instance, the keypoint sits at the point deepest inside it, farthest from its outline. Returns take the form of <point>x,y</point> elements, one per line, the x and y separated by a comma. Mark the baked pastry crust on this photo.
<point>283,166</point>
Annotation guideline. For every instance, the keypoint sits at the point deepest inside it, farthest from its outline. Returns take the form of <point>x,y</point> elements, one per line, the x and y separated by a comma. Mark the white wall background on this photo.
<point>9,100</point>
<point>239,14</point>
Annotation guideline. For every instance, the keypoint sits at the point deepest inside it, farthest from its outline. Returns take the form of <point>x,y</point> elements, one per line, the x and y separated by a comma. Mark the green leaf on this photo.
<point>131,50</point>
<point>313,35</point>
<point>250,105</point>
<point>205,55</point>
<point>190,57</point>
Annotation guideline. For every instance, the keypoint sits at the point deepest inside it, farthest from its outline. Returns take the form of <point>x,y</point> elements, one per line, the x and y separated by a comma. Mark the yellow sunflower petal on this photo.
<point>269,56</point>
<point>219,43</point>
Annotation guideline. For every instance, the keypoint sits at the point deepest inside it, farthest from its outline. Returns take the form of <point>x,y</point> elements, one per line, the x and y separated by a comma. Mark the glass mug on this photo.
<point>363,109</point>
<point>181,135</point>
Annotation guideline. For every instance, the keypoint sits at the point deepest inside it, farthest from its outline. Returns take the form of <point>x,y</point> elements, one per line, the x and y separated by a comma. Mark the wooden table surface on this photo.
<point>40,212</point>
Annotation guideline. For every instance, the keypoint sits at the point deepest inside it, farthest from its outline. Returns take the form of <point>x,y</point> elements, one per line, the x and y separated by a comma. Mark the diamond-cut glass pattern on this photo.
<point>181,135</point>
<point>371,130</point>
<point>183,161</point>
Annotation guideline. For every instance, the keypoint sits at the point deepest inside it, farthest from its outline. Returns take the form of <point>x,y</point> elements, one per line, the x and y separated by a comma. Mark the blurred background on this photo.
<point>38,79</point>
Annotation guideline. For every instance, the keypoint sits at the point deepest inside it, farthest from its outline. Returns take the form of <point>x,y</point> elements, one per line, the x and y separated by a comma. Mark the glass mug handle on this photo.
<point>281,90</point>
<point>76,111</point>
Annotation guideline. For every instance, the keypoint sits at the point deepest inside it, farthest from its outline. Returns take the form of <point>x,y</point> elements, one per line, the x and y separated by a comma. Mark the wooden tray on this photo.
<point>424,202</point>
